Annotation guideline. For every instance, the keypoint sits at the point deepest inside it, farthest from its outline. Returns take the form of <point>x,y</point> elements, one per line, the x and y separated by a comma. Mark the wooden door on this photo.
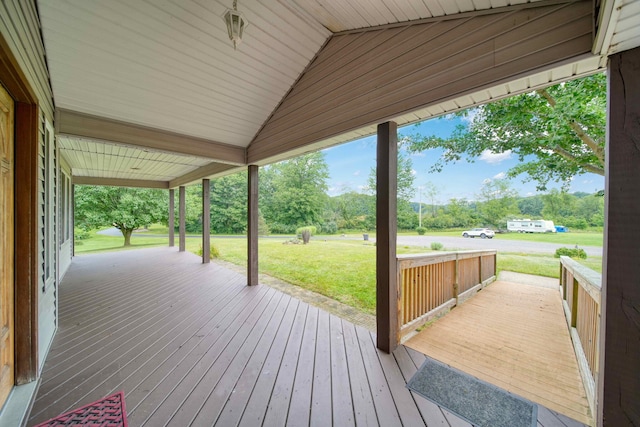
<point>6,246</point>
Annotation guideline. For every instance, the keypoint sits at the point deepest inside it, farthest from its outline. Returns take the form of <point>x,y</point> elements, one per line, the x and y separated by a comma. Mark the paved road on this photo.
<point>449,242</point>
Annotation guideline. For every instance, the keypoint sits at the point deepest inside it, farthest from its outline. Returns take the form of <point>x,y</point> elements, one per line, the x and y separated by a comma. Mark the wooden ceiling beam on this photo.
<point>212,170</point>
<point>119,182</point>
<point>80,125</point>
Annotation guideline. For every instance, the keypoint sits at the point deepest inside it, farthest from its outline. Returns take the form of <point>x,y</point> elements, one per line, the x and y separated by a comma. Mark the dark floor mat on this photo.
<point>480,403</point>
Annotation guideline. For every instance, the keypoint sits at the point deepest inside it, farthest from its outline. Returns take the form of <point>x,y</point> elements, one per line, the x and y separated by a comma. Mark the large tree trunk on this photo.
<point>126,232</point>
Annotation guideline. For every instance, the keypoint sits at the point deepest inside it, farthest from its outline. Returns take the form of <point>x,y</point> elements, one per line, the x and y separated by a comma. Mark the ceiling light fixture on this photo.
<point>236,23</point>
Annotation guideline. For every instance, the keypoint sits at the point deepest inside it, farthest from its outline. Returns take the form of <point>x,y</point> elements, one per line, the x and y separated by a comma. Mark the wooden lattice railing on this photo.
<point>431,284</point>
<point>581,294</point>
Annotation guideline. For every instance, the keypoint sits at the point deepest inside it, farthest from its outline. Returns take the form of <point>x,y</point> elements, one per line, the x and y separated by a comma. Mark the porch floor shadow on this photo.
<point>191,344</point>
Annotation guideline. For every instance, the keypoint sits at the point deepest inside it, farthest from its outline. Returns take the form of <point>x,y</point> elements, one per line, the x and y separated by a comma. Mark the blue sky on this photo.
<point>350,165</point>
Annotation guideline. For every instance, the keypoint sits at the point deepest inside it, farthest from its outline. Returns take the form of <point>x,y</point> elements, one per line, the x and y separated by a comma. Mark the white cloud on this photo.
<point>414,172</point>
<point>486,181</point>
<point>495,158</point>
<point>356,173</point>
<point>500,175</point>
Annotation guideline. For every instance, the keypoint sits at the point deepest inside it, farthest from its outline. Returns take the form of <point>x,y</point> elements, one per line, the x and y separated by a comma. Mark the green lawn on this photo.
<point>340,269</point>
<point>102,243</point>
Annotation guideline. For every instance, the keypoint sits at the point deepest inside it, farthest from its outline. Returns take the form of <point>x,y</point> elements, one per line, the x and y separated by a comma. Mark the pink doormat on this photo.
<point>107,412</point>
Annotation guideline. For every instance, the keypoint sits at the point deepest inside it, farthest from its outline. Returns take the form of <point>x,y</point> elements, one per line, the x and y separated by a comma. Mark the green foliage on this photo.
<point>571,252</point>
<point>293,192</point>
<point>406,178</point>
<point>311,228</point>
<point>436,246</point>
<point>80,234</point>
<point>123,208</point>
<point>213,251</point>
<point>556,133</point>
<point>499,202</point>
<point>229,205</point>
<point>421,230</point>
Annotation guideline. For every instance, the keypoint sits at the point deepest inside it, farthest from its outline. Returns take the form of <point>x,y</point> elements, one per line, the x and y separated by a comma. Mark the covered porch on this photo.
<point>191,344</point>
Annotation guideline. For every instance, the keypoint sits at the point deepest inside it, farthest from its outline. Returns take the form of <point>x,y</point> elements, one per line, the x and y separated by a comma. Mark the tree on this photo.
<point>229,203</point>
<point>531,207</point>
<point>498,201</point>
<point>294,192</point>
<point>556,133</point>
<point>406,178</point>
<point>124,208</point>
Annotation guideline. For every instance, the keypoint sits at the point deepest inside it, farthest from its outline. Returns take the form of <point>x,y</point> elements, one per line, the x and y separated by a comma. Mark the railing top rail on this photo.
<point>590,280</point>
<point>478,252</point>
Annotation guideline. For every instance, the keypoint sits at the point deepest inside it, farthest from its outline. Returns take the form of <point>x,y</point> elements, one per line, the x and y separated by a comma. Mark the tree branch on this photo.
<point>577,128</point>
<point>567,155</point>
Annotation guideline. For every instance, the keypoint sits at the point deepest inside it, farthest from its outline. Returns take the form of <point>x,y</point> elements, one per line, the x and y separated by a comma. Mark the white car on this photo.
<point>483,233</point>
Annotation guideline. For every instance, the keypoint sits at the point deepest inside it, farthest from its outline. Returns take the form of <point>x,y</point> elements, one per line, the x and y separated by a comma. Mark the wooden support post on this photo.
<point>73,219</point>
<point>182,213</point>
<point>206,222</point>
<point>252,227</point>
<point>172,218</point>
<point>387,303</point>
<point>27,209</point>
<point>619,382</point>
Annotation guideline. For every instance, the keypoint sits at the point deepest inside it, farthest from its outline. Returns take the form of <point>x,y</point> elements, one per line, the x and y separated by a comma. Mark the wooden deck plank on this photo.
<point>191,344</point>
<point>271,408</point>
<point>341,400</point>
<point>513,336</point>
<point>299,409</point>
<point>383,401</point>
<point>149,392</point>
<point>125,335</point>
<point>263,386</point>
<point>187,397</point>
<point>363,407</point>
<point>81,386</point>
<point>403,399</point>
<point>321,410</point>
<point>240,376</point>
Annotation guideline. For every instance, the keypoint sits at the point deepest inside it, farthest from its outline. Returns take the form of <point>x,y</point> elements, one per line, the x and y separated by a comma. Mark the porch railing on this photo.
<point>581,294</point>
<point>431,284</point>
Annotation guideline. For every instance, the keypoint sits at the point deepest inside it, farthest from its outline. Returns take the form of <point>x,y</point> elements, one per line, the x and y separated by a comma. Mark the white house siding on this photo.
<point>20,28</point>
<point>65,216</point>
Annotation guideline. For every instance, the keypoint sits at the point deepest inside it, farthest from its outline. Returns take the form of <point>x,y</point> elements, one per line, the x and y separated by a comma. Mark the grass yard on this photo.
<point>102,243</point>
<point>342,270</point>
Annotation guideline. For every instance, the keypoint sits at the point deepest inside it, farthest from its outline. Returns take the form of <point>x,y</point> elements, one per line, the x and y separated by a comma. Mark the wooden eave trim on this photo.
<point>12,77</point>
<point>119,182</point>
<point>80,125</point>
<point>461,15</point>
<point>212,170</point>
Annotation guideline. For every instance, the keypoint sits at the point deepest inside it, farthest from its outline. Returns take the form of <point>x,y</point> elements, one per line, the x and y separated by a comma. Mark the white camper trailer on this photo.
<point>531,226</point>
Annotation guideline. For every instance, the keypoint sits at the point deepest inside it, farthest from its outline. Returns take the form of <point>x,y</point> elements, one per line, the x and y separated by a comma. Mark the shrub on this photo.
<point>213,251</point>
<point>329,227</point>
<point>421,230</point>
<point>436,246</point>
<point>571,252</point>
<point>80,233</point>
<point>311,228</point>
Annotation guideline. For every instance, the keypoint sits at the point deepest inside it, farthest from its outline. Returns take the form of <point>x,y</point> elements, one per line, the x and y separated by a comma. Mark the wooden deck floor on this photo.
<point>514,336</point>
<point>190,344</point>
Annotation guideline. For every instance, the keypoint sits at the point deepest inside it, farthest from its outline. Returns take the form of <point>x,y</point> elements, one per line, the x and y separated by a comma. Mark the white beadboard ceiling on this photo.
<point>169,65</point>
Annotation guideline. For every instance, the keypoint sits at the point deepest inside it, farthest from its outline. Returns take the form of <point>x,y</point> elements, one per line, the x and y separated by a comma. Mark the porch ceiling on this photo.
<point>167,68</point>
